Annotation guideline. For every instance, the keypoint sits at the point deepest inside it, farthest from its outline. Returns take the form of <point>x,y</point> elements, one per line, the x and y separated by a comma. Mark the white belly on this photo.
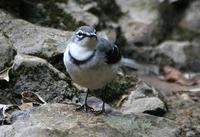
<point>92,78</point>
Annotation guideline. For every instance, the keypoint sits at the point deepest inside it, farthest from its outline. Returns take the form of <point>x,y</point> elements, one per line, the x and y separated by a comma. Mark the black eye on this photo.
<point>79,35</point>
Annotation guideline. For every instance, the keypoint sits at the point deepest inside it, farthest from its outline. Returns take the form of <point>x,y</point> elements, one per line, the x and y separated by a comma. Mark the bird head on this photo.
<point>85,36</point>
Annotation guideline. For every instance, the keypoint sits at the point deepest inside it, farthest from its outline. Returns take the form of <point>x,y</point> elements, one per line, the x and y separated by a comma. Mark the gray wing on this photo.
<point>111,51</point>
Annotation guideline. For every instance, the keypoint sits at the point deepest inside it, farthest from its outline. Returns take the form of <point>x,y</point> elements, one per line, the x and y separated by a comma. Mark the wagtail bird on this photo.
<point>91,61</point>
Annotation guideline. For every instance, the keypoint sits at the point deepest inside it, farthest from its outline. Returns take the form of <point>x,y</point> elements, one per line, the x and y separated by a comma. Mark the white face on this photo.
<point>84,39</point>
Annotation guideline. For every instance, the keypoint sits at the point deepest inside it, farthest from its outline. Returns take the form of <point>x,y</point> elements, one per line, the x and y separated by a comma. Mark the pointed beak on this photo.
<point>93,35</point>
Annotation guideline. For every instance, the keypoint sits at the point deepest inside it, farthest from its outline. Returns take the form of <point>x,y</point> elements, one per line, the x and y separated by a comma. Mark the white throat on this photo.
<point>79,52</point>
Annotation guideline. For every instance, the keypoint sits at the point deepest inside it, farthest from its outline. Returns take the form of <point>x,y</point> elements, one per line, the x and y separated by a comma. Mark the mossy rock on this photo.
<point>121,85</point>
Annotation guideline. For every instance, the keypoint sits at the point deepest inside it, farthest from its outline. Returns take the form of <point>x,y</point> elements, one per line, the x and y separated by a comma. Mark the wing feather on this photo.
<point>111,51</point>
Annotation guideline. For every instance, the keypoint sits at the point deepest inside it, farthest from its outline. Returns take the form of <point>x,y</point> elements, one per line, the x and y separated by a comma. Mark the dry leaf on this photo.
<point>171,74</point>
<point>4,74</point>
<point>174,75</point>
<point>31,97</point>
<point>121,101</point>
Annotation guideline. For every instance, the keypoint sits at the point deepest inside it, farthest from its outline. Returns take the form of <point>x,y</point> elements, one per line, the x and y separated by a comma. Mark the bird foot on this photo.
<point>84,107</point>
<point>100,112</point>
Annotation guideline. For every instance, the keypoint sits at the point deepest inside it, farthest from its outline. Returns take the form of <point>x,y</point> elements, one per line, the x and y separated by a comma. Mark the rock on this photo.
<point>144,99</point>
<point>139,10</point>
<point>138,17</point>
<point>4,16</point>
<point>34,74</point>
<point>151,105</point>
<point>78,13</point>
<point>34,40</point>
<point>143,90</point>
<point>58,120</point>
<point>191,19</point>
<point>180,54</point>
<point>105,10</point>
<point>174,50</point>
<point>183,53</point>
<point>101,9</point>
<point>44,13</point>
<point>147,23</point>
<point>6,53</point>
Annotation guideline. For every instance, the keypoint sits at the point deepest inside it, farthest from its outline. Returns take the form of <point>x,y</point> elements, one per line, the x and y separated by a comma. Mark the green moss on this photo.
<point>118,87</point>
<point>47,13</point>
<point>57,18</point>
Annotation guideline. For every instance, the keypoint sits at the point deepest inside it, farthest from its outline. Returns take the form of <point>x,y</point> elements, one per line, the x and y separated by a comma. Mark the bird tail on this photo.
<point>132,64</point>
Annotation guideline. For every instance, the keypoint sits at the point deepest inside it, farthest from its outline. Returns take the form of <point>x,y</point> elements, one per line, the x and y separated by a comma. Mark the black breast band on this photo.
<point>79,62</point>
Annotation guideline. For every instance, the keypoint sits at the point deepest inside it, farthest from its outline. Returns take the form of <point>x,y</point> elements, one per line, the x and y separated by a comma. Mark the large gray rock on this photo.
<point>184,54</point>
<point>175,50</point>
<point>6,52</point>
<point>138,18</point>
<point>31,39</point>
<point>58,120</point>
<point>144,99</point>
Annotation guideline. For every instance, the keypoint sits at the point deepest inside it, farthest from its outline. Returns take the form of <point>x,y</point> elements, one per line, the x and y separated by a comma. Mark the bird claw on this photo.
<point>99,112</point>
<point>84,107</point>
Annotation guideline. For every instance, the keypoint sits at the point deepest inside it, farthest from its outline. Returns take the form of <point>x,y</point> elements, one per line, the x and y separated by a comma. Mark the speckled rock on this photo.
<point>191,19</point>
<point>174,50</point>
<point>4,16</point>
<point>78,13</point>
<point>58,120</point>
<point>31,39</point>
<point>144,99</point>
<point>138,17</point>
<point>184,54</point>
<point>37,75</point>
<point>6,52</point>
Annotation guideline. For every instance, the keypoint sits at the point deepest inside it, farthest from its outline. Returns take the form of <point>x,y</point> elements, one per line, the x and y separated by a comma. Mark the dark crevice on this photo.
<point>157,112</point>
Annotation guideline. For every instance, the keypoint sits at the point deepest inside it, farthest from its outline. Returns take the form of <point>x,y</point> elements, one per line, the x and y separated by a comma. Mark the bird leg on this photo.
<point>85,106</point>
<point>102,111</point>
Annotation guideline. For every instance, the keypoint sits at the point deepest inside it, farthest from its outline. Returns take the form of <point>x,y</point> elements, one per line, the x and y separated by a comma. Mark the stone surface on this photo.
<point>78,13</point>
<point>6,52</point>
<point>174,50</point>
<point>138,17</point>
<point>33,40</point>
<point>58,120</point>
<point>184,54</point>
<point>144,105</point>
<point>183,104</point>
<point>144,99</point>
<point>4,16</point>
<point>37,75</point>
<point>191,19</point>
